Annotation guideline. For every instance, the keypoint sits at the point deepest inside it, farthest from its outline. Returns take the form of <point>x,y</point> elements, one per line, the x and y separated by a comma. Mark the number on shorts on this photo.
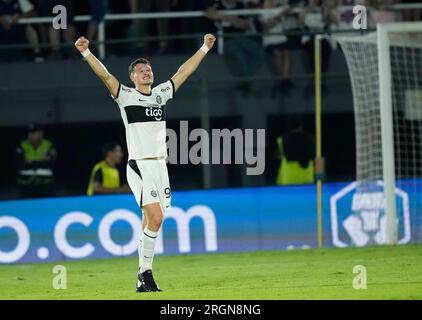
<point>167,192</point>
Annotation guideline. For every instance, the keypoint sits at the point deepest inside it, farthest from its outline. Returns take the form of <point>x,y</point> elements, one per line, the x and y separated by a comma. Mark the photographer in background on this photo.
<point>105,177</point>
<point>35,158</point>
<point>295,151</point>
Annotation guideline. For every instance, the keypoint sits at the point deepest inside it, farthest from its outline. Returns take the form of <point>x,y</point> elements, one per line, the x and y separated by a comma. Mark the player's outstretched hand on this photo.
<point>209,40</point>
<point>82,44</point>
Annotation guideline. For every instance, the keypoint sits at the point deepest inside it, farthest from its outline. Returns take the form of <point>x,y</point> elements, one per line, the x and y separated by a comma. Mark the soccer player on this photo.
<point>143,112</point>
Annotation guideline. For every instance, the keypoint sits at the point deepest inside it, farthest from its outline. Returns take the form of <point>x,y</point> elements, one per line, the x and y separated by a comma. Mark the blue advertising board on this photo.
<point>222,220</point>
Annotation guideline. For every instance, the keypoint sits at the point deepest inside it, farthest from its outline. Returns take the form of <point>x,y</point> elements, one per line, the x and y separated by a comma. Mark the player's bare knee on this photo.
<point>154,216</point>
<point>156,221</point>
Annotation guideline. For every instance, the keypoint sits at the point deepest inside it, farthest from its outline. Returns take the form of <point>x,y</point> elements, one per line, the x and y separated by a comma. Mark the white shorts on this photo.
<point>149,182</point>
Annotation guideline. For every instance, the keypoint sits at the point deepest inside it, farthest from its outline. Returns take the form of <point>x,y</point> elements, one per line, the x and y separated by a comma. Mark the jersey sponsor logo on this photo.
<point>165,89</point>
<point>138,113</point>
<point>156,112</point>
<point>125,89</point>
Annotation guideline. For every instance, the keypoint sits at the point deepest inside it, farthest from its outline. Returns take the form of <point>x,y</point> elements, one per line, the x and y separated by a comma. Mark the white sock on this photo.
<point>140,255</point>
<point>147,249</point>
<point>140,250</point>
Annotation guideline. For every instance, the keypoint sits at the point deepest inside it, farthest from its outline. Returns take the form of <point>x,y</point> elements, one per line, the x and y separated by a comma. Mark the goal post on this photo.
<point>385,69</point>
<point>387,139</point>
<point>319,162</point>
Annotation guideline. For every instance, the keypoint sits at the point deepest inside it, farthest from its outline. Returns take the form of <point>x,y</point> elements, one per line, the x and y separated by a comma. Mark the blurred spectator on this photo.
<point>316,18</point>
<point>380,12</point>
<point>98,9</point>
<point>105,177</point>
<point>291,23</point>
<point>253,4</point>
<point>35,159</point>
<point>141,27</point>
<point>11,32</point>
<point>243,53</point>
<point>45,8</point>
<point>118,29</point>
<point>412,14</point>
<point>275,44</point>
<point>296,154</point>
<point>191,25</point>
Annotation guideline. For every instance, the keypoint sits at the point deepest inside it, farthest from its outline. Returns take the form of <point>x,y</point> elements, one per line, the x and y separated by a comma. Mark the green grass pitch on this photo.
<point>393,272</point>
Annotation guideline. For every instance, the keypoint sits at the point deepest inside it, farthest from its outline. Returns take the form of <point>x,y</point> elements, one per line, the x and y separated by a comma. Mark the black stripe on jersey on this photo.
<point>118,92</point>
<point>134,166</point>
<point>174,89</point>
<point>145,94</point>
<point>136,114</point>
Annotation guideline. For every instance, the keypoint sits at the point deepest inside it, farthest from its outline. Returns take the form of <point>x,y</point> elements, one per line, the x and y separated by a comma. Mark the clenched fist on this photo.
<point>82,44</point>
<point>209,40</point>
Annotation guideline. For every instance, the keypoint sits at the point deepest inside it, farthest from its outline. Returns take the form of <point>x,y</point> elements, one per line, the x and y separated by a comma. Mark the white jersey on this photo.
<point>144,117</point>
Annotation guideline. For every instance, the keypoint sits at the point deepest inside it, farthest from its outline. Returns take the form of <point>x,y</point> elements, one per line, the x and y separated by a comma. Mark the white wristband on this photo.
<point>85,53</point>
<point>205,48</point>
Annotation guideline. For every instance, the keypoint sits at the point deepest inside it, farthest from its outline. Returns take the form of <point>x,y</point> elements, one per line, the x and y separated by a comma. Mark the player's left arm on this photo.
<point>190,65</point>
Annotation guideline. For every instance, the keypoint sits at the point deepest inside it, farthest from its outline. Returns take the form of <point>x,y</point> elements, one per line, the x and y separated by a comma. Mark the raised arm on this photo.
<point>99,69</point>
<point>190,65</point>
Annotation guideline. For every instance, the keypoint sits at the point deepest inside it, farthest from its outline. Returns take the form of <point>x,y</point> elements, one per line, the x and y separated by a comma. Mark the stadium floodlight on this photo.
<point>385,69</point>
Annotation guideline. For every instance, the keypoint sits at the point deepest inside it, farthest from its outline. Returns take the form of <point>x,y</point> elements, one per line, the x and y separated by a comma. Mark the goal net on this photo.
<point>385,70</point>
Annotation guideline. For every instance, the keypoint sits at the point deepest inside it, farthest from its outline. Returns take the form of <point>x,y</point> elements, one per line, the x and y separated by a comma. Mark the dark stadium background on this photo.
<point>46,90</point>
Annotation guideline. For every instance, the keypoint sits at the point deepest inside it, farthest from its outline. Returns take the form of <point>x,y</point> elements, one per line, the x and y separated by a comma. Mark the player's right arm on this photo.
<point>99,69</point>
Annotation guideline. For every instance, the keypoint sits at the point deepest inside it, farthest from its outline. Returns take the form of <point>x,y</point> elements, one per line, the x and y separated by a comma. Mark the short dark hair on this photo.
<point>109,146</point>
<point>136,62</point>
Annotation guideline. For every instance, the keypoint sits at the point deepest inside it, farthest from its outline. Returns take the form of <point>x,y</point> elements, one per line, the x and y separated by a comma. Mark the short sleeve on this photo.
<point>98,176</point>
<point>123,94</point>
<point>166,90</point>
